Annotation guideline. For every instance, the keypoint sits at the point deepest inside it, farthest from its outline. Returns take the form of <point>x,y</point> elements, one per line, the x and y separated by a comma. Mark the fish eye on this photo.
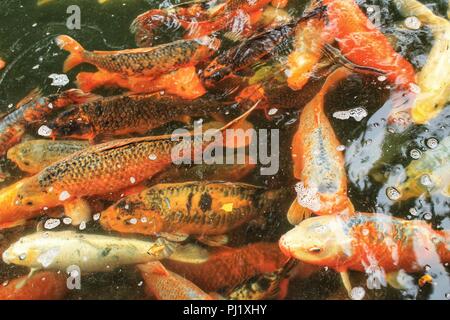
<point>315,250</point>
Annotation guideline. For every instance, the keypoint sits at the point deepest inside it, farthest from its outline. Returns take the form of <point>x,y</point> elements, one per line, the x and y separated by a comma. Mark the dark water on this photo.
<point>26,44</point>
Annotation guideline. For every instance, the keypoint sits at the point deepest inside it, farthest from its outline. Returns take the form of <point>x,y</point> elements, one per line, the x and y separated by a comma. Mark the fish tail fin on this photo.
<point>334,78</point>
<point>297,213</point>
<point>76,51</point>
<point>87,81</point>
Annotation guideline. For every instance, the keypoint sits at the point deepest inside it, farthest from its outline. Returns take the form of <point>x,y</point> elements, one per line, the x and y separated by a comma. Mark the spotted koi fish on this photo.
<point>318,164</point>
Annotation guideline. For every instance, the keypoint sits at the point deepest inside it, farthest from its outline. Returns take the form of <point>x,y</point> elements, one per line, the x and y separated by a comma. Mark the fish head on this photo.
<point>25,252</point>
<point>131,215</point>
<point>72,123</point>
<point>319,240</point>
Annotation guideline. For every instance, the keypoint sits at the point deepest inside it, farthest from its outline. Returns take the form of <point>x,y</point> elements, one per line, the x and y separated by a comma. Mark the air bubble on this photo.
<point>132,221</point>
<point>51,223</point>
<point>357,293</point>
<point>426,181</point>
<point>393,194</point>
<point>413,23</point>
<point>432,143</point>
<point>428,216</point>
<point>44,131</point>
<point>96,216</point>
<point>415,154</point>
<point>64,196</point>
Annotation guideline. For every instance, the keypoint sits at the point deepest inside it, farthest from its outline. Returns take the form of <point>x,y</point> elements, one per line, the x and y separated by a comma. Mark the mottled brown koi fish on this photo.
<point>190,208</point>
<point>149,62</point>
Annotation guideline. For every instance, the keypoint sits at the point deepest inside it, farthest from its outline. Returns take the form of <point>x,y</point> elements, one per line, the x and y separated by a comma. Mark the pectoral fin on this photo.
<point>214,241</point>
<point>190,253</point>
<point>346,282</point>
<point>297,213</point>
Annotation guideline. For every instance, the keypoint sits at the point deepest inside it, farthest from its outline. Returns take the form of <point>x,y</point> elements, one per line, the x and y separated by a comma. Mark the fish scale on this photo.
<point>192,208</point>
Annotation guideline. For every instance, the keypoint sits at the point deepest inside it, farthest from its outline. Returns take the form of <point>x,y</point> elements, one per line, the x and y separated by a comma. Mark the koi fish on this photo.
<point>212,172</point>
<point>101,169</point>
<point>267,286</point>
<point>363,44</point>
<point>366,242</point>
<point>166,285</point>
<point>148,62</point>
<point>33,108</point>
<point>434,78</point>
<point>184,82</point>
<point>91,252</point>
<point>196,20</point>
<point>429,174</point>
<point>229,267</point>
<point>317,162</point>
<point>34,155</point>
<point>120,115</point>
<point>40,286</point>
<point>177,210</point>
<point>249,52</point>
<point>2,63</point>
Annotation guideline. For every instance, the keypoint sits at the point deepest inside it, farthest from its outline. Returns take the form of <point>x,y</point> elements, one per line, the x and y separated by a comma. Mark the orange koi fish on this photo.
<point>33,108</point>
<point>318,164</point>
<point>229,267</point>
<point>196,20</point>
<point>363,44</point>
<point>2,63</point>
<point>166,285</point>
<point>40,286</point>
<point>184,82</point>
<point>98,170</point>
<point>176,210</point>
<point>148,62</point>
<point>367,242</point>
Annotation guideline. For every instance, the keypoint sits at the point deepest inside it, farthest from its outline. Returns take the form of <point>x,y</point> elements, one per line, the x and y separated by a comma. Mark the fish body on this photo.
<point>363,44</point>
<point>120,115</point>
<point>246,54</point>
<point>428,175</point>
<point>318,164</point>
<point>228,267</point>
<point>267,286</point>
<point>34,155</point>
<point>434,78</point>
<point>90,252</point>
<point>365,242</point>
<point>33,108</point>
<point>148,62</point>
<point>166,285</point>
<point>40,286</point>
<point>192,208</point>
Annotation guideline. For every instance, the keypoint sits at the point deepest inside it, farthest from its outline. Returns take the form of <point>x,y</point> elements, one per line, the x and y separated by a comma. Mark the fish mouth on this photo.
<point>7,257</point>
<point>285,247</point>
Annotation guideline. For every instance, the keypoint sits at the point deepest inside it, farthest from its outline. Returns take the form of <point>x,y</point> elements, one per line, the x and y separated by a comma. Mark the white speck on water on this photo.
<point>415,154</point>
<point>96,216</point>
<point>357,293</point>
<point>414,88</point>
<point>82,225</point>
<point>44,131</point>
<point>428,216</point>
<point>64,196</point>
<point>133,180</point>
<point>152,157</point>
<point>5,283</point>
<point>382,78</point>
<point>34,24</point>
<point>393,194</point>
<point>47,257</point>
<point>51,223</point>
<point>357,113</point>
<point>140,283</point>
<point>59,80</point>
<point>426,181</point>
<point>127,206</point>
<point>412,23</point>
<point>340,147</point>
<point>272,111</point>
<point>50,105</point>
<point>144,219</point>
<point>10,106</point>
<point>365,232</point>
<point>132,221</point>
<point>35,67</point>
<point>432,143</point>
<point>67,220</point>
<point>414,212</point>
<point>45,208</point>
<point>427,267</point>
<point>307,197</point>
